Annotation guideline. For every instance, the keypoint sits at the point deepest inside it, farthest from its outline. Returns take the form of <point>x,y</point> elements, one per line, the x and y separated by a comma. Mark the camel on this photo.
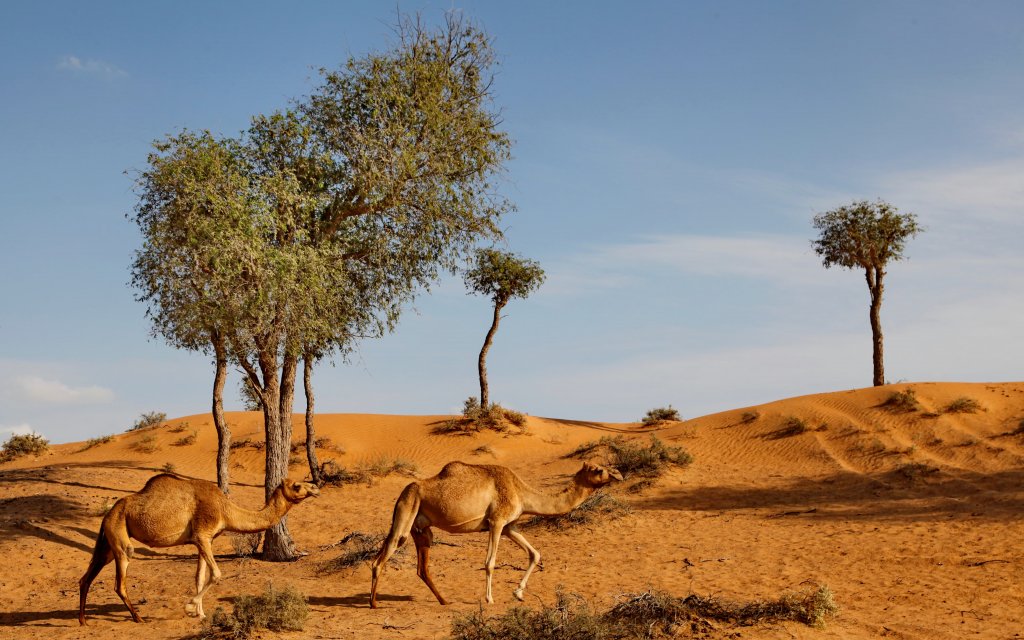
<point>170,511</point>
<point>465,498</point>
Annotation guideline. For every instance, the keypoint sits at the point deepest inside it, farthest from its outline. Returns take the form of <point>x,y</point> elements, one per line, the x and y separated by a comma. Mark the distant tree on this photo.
<point>866,235</point>
<point>500,276</point>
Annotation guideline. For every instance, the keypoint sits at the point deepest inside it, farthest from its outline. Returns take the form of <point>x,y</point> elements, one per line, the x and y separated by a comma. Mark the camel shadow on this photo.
<point>19,618</point>
<point>360,600</point>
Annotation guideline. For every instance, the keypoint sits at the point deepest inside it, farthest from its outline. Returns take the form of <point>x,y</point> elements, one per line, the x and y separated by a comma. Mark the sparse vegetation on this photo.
<point>599,507</point>
<point>647,615</point>
<point>963,404</point>
<point>146,444</point>
<point>916,470</point>
<point>632,459</point>
<point>359,548</point>
<point>178,428</point>
<point>902,401</point>
<point>169,467</point>
<point>661,414</point>
<point>95,442</point>
<point>24,444</point>
<point>146,420</point>
<point>246,544</point>
<point>384,466</point>
<point>477,418</point>
<point>332,473</point>
<point>749,416</point>
<point>483,449</point>
<point>792,426</point>
<point>274,610</point>
<point>187,440</point>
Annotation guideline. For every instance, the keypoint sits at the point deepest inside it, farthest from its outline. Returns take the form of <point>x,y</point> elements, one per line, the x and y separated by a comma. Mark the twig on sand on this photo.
<point>792,513</point>
<point>982,563</point>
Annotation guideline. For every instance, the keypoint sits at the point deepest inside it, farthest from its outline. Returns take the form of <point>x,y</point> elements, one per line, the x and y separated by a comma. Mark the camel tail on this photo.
<point>402,520</point>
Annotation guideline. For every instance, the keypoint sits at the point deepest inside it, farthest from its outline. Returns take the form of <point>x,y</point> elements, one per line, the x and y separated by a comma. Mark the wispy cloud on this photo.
<point>98,68</point>
<point>18,430</point>
<point>56,392</point>
<point>992,192</point>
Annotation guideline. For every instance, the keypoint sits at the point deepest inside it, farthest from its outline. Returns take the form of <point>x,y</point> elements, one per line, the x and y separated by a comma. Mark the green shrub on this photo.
<point>599,506</point>
<point>95,442</point>
<point>963,404</point>
<point>902,402</point>
<point>476,418</point>
<point>661,414</point>
<point>150,419</point>
<point>273,610</point>
<point>23,444</point>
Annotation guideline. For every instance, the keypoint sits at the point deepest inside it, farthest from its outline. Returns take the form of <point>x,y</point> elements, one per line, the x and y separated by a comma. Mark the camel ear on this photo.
<point>615,474</point>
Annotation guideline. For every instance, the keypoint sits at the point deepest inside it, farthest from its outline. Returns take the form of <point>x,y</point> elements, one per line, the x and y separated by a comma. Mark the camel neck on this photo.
<point>243,520</point>
<point>542,504</point>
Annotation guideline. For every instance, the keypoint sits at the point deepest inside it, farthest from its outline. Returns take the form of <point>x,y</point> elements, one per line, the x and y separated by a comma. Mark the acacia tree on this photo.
<point>866,235</point>
<point>501,276</point>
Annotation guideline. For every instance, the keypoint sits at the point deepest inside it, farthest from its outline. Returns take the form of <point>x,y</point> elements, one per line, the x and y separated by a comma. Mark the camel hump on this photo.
<point>454,468</point>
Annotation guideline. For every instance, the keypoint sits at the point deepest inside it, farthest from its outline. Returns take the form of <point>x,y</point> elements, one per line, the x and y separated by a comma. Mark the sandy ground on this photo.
<point>913,520</point>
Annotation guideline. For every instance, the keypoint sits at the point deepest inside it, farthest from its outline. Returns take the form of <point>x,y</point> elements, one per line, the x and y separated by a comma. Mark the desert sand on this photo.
<point>913,520</point>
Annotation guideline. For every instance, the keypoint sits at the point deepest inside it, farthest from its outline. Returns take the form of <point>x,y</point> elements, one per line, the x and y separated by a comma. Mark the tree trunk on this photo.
<point>875,286</point>
<point>307,383</point>
<point>277,416</point>
<point>482,362</point>
<point>223,430</point>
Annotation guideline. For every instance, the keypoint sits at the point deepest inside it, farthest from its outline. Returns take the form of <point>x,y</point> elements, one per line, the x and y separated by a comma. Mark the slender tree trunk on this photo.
<point>482,362</point>
<point>307,383</point>
<point>223,430</point>
<point>277,544</point>
<point>875,286</point>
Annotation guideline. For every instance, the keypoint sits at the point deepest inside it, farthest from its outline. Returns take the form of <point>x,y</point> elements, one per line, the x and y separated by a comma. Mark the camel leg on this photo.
<point>492,554</point>
<point>202,575</point>
<point>423,539</point>
<point>402,521</point>
<point>205,549</point>
<point>520,540</point>
<point>121,556</point>
<point>101,558</point>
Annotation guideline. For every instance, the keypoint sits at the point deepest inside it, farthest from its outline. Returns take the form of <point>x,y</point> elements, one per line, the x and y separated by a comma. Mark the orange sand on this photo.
<point>926,555</point>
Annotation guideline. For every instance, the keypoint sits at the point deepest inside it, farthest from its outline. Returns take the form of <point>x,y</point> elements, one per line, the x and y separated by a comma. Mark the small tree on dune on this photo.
<point>866,235</point>
<point>501,276</point>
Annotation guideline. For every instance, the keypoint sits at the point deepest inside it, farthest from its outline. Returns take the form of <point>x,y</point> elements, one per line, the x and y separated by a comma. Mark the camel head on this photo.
<point>594,475</point>
<point>295,491</point>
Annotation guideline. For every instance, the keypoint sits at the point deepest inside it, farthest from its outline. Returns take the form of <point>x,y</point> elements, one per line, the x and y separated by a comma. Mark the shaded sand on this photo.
<point>914,520</point>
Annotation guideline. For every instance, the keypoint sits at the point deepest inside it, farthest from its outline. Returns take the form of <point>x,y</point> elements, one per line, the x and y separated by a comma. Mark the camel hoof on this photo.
<point>192,610</point>
<point>518,593</point>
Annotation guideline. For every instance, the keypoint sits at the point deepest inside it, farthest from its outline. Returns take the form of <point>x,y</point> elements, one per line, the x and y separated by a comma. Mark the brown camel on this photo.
<point>170,511</point>
<point>464,498</point>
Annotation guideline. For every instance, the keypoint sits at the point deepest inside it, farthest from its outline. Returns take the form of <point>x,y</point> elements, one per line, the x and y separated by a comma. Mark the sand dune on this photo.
<point>914,520</point>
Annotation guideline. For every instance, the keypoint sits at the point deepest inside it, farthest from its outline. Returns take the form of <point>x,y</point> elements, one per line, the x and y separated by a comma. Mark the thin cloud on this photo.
<point>17,430</point>
<point>56,392</point>
<point>74,64</point>
<point>992,192</point>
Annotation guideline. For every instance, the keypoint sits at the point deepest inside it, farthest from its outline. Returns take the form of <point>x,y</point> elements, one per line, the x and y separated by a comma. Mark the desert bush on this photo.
<point>902,401</point>
<point>599,507</point>
<point>749,416</point>
<point>150,419</point>
<point>792,426</point>
<point>916,470</point>
<point>274,610</point>
<point>963,404</point>
<point>483,449</point>
<point>246,544</point>
<point>568,619</point>
<point>178,428</point>
<point>385,466</point>
<point>319,443</point>
<point>187,440</point>
<point>661,414</point>
<point>95,442</point>
<point>24,444</point>
<point>632,459</point>
<point>146,444</point>
<point>332,473</point>
<point>476,418</point>
<point>241,444</point>
<point>168,467</point>
<point>359,548</point>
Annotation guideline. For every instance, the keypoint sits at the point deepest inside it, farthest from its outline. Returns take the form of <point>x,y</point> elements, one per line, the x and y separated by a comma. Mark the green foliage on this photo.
<point>661,414</point>
<point>250,397</point>
<point>863,234</point>
<point>19,445</point>
<point>150,419</point>
<point>502,276</point>
<point>632,459</point>
<point>273,610</point>
<point>963,404</point>
<point>902,401</point>
<point>476,418</point>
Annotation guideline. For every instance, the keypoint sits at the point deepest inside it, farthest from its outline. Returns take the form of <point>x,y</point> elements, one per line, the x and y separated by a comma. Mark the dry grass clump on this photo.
<point>902,401</point>
<point>661,414</point>
<point>146,444</point>
<point>749,416</point>
<point>150,419</point>
<point>632,459</point>
<point>385,466</point>
<point>916,470</point>
<point>246,544</point>
<point>599,506</point>
<point>359,548</point>
<point>24,444</point>
<point>95,442</point>
<point>332,473</point>
<point>476,418</point>
<point>187,440</point>
<point>647,615</point>
<point>169,467</point>
<point>963,404</point>
<point>273,610</point>
<point>792,426</point>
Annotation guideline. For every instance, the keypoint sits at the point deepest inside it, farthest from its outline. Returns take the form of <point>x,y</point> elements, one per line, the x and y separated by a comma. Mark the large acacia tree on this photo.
<point>866,235</point>
<point>501,276</point>
<point>357,197</point>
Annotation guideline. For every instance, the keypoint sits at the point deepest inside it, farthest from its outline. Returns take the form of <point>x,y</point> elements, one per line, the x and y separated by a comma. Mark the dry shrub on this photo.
<point>24,444</point>
<point>902,402</point>
<point>793,426</point>
<point>169,467</point>
<point>246,544</point>
<point>332,473</point>
<point>632,459</point>
<point>385,466</point>
<point>146,444</point>
<point>963,404</point>
<point>359,548</point>
<point>569,618</point>
<point>661,414</point>
<point>273,610</point>
<point>749,416</point>
<point>483,449</point>
<point>95,442</point>
<point>476,418</point>
<point>187,440</point>
<point>599,506</point>
<point>178,428</point>
<point>150,419</point>
<point>916,470</point>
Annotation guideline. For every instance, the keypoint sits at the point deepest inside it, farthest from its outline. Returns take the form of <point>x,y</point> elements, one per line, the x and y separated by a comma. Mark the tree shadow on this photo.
<point>360,600</point>
<point>30,510</point>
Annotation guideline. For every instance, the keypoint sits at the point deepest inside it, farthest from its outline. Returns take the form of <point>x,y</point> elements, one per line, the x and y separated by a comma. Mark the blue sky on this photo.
<point>668,159</point>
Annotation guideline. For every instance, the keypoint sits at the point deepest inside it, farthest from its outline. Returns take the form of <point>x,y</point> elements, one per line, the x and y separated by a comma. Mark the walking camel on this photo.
<point>170,511</point>
<point>465,498</point>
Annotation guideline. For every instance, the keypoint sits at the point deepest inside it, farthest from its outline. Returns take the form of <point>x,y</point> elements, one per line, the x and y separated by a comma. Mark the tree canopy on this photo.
<point>863,234</point>
<point>502,276</point>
